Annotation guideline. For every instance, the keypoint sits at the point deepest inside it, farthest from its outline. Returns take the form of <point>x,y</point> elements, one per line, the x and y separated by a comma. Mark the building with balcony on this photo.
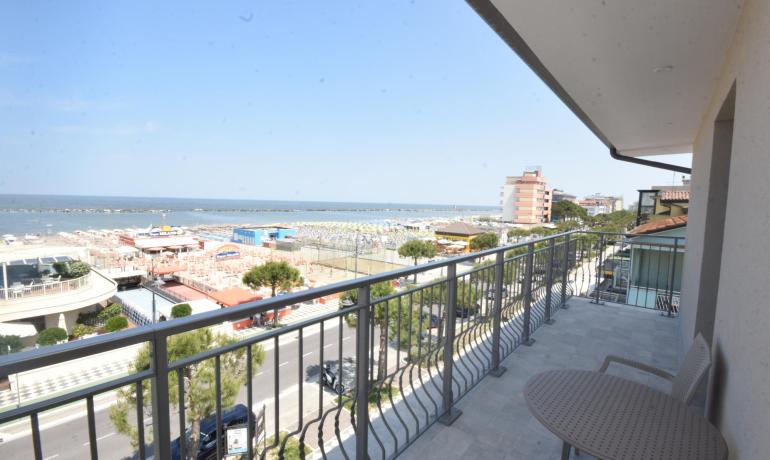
<point>526,199</point>
<point>32,293</point>
<point>601,204</point>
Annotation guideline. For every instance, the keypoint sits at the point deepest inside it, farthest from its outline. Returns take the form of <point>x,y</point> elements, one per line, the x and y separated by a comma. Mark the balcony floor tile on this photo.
<point>496,424</point>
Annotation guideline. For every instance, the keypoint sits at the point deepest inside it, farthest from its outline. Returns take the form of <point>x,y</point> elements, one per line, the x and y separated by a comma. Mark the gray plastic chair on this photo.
<point>683,385</point>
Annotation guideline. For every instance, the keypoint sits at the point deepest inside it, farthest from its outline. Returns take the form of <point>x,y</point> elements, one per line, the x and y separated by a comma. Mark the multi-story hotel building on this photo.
<point>526,199</point>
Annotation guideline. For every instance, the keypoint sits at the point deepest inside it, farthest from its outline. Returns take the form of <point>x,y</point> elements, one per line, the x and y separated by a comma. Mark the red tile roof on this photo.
<point>675,195</point>
<point>660,225</point>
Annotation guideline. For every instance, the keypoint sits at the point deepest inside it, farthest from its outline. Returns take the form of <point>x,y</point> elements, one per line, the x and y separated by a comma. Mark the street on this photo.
<point>64,434</point>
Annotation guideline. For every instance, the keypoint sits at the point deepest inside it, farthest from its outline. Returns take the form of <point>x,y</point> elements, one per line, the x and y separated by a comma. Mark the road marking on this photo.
<point>100,438</point>
<point>346,338</point>
<point>52,456</point>
<point>327,346</point>
<point>283,364</point>
<point>260,373</point>
<point>307,354</point>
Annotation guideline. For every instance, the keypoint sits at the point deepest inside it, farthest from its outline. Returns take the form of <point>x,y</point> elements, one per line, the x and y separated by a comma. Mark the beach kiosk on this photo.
<point>457,237</point>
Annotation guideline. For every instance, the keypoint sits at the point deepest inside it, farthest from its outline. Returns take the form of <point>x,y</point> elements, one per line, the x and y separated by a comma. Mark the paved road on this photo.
<point>65,433</point>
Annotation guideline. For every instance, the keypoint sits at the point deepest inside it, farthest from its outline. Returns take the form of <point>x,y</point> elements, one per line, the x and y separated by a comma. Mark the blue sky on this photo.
<point>402,101</point>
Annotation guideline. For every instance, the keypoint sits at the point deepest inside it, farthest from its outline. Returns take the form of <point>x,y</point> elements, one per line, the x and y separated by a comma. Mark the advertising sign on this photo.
<point>228,251</point>
<point>237,440</point>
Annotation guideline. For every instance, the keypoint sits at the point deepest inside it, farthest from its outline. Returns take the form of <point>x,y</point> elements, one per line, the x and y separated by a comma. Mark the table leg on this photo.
<point>565,448</point>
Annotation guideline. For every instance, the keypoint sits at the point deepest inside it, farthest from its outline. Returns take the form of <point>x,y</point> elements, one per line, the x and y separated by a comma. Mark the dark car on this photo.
<point>207,448</point>
<point>467,311</point>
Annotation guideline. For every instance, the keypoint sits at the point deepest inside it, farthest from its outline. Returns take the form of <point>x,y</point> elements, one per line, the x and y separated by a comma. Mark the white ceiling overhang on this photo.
<point>640,74</point>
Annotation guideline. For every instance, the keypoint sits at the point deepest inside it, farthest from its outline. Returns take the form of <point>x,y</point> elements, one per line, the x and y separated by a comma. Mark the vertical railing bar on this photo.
<point>300,378</point>
<point>527,294</point>
<point>497,370</point>
<point>672,269</point>
<point>362,374</point>
<point>36,445</point>
<point>250,403</point>
<point>161,418</point>
<point>140,420</point>
<point>599,269</point>
<point>220,431</point>
<point>92,428</point>
<point>549,280</point>
<point>565,272</point>
<point>182,421</point>
<point>276,400</point>
<point>450,413</point>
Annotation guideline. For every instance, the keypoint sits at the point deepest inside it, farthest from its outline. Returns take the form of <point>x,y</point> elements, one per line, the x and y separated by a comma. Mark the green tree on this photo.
<point>380,318</point>
<point>78,268</point>
<point>487,240</point>
<point>273,275</point>
<point>51,336</point>
<point>181,310</point>
<point>518,233</point>
<point>10,344</point>
<point>116,323</point>
<point>417,249</point>
<point>567,210</point>
<point>198,380</point>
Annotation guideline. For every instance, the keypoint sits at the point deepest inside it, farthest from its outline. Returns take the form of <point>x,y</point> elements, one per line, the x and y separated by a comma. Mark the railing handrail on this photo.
<point>31,359</point>
<point>50,284</point>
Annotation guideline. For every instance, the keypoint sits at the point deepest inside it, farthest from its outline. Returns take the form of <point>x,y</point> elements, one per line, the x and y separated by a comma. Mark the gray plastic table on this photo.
<point>613,418</point>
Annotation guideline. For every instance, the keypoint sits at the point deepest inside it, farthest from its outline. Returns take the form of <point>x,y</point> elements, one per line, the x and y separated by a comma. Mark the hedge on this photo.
<point>51,336</point>
<point>116,323</point>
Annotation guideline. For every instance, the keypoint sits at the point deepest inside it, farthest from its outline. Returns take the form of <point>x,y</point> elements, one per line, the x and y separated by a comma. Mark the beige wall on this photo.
<point>740,384</point>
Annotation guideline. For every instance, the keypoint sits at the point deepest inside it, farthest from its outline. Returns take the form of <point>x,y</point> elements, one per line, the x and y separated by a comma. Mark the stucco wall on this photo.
<point>741,381</point>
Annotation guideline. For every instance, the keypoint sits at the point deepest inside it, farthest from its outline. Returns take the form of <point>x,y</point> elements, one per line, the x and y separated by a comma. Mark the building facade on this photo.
<point>526,199</point>
<point>560,195</point>
<point>601,204</point>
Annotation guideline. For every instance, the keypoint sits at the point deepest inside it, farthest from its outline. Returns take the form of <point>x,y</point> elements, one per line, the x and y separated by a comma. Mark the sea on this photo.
<point>50,214</point>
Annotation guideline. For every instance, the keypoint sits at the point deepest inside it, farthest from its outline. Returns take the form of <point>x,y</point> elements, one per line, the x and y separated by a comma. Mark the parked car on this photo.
<point>491,293</point>
<point>467,311</point>
<point>207,448</point>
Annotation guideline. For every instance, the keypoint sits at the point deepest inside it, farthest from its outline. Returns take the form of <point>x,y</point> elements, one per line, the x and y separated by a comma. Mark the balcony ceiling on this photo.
<point>638,73</point>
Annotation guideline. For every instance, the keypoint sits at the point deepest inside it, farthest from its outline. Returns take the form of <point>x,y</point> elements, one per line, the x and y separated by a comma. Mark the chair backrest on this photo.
<point>694,367</point>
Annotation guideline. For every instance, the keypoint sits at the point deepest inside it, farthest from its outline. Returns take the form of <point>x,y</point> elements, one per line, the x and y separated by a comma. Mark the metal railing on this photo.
<point>50,287</point>
<point>377,373</point>
<point>638,270</point>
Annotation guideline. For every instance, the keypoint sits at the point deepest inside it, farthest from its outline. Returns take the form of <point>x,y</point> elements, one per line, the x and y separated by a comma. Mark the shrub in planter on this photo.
<point>81,330</point>
<point>111,311</point>
<point>62,268</point>
<point>78,268</point>
<point>181,310</point>
<point>51,336</point>
<point>10,341</point>
<point>116,323</point>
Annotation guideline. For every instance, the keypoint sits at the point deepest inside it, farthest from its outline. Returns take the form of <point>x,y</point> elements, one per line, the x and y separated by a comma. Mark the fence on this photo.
<point>410,356</point>
<point>24,291</point>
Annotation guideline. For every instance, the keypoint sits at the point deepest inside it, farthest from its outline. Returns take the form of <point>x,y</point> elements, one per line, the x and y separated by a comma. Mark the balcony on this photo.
<point>495,422</point>
<point>402,361</point>
<point>55,297</point>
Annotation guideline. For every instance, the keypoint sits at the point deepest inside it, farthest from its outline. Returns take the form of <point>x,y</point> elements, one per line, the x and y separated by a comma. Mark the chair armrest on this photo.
<point>636,365</point>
